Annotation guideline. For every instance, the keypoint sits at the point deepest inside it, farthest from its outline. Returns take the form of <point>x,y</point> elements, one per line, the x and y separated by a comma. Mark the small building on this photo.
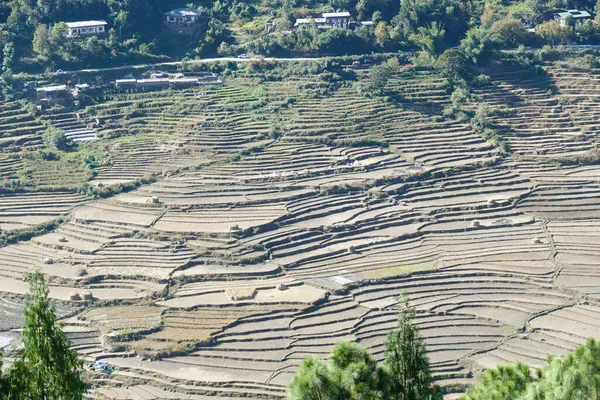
<point>152,82</point>
<point>82,87</point>
<point>47,91</point>
<point>50,95</point>
<point>578,15</point>
<point>126,83</point>
<point>327,20</point>
<point>183,16</point>
<point>86,28</point>
<point>176,81</point>
<point>319,22</point>
<point>337,19</point>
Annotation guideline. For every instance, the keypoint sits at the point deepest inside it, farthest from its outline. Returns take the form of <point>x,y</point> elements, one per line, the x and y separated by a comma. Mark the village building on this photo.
<point>578,15</point>
<point>86,28</point>
<point>327,20</point>
<point>159,80</point>
<point>50,95</point>
<point>183,16</point>
<point>319,22</point>
<point>337,19</point>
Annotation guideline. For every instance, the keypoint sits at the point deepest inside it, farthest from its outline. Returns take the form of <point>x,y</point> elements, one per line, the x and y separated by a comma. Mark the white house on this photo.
<point>182,16</point>
<point>320,22</point>
<point>83,28</point>
<point>578,16</point>
<point>335,19</point>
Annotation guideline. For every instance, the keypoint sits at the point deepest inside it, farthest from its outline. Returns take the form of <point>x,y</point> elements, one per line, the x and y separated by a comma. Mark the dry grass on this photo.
<point>121,318</point>
<point>243,293</point>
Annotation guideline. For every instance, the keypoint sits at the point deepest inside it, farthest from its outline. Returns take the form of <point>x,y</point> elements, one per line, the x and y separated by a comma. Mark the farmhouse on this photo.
<point>50,95</point>
<point>578,16</point>
<point>86,28</point>
<point>319,22</point>
<point>337,19</point>
<point>183,16</point>
<point>327,20</point>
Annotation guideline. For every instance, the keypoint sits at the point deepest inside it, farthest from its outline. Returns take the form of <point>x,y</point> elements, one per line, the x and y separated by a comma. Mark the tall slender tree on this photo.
<point>406,362</point>
<point>46,368</point>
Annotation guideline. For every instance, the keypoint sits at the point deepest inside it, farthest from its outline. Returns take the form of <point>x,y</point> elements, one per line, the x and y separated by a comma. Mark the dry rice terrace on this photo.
<point>273,229</point>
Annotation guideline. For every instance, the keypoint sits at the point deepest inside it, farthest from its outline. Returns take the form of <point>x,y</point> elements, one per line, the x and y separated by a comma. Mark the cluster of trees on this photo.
<point>45,367</point>
<point>352,373</point>
<point>31,33</point>
<point>575,376</point>
<point>33,30</point>
<point>481,27</point>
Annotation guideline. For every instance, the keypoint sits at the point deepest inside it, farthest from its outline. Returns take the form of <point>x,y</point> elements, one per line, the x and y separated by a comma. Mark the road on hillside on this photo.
<point>202,61</point>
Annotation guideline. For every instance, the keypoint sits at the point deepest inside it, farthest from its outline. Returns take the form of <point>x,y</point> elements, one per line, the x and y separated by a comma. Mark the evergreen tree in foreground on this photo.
<point>575,376</point>
<point>406,364</point>
<point>352,373</point>
<point>46,368</point>
<point>3,381</point>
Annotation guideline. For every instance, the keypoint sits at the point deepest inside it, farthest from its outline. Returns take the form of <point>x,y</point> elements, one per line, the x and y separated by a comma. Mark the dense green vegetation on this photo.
<point>352,373</point>
<point>32,33</point>
<point>45,368</point>
<point>575,376</point>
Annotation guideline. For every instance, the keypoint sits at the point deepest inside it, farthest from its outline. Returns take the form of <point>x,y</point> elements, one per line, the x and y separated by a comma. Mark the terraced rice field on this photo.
<point>272,228</point>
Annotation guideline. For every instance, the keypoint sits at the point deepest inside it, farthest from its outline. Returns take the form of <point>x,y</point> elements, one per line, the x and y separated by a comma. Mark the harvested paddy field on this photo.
<point>229,231</point>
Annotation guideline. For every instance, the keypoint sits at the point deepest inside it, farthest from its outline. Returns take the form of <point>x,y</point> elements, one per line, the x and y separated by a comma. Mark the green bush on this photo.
<point>56,139</point>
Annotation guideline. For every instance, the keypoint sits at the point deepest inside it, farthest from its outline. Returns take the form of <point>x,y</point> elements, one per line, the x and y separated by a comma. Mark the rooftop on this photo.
<point>575,14</point>
<point>336,14</point>
<point>301,21</point>
<point>184,12</point>
<point>85,24</point>
<point>57,88</point>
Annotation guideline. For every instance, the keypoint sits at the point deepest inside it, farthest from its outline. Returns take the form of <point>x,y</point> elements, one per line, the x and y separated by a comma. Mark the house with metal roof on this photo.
<point>578,15</point>
<point>319,22</point>
<point>183,16</point>
<point>86,28</point>
<point>337,19</point>
<point>327,20</point>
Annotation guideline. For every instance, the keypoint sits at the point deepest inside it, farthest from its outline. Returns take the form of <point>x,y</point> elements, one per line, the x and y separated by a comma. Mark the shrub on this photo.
<point>480,120</point>
<point>289,101</point>
<point>480,81</point>
<point>56,139</point>
<point>591,157</point>
<point>459,96</point>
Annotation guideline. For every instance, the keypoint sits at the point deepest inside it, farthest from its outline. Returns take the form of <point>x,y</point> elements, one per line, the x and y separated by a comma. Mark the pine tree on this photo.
<point>3,381</point>
<point>406,363</point>
<point>355,372</point>
<point>313,381</point>
<point>505,382</point>
<point>46,368</point>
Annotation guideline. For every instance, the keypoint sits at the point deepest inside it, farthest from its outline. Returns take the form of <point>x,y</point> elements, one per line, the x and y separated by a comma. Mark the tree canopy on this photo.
<point>31,34</point>
<point>352,373</point>
<point>46,367</point>
<point>574,376</point>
